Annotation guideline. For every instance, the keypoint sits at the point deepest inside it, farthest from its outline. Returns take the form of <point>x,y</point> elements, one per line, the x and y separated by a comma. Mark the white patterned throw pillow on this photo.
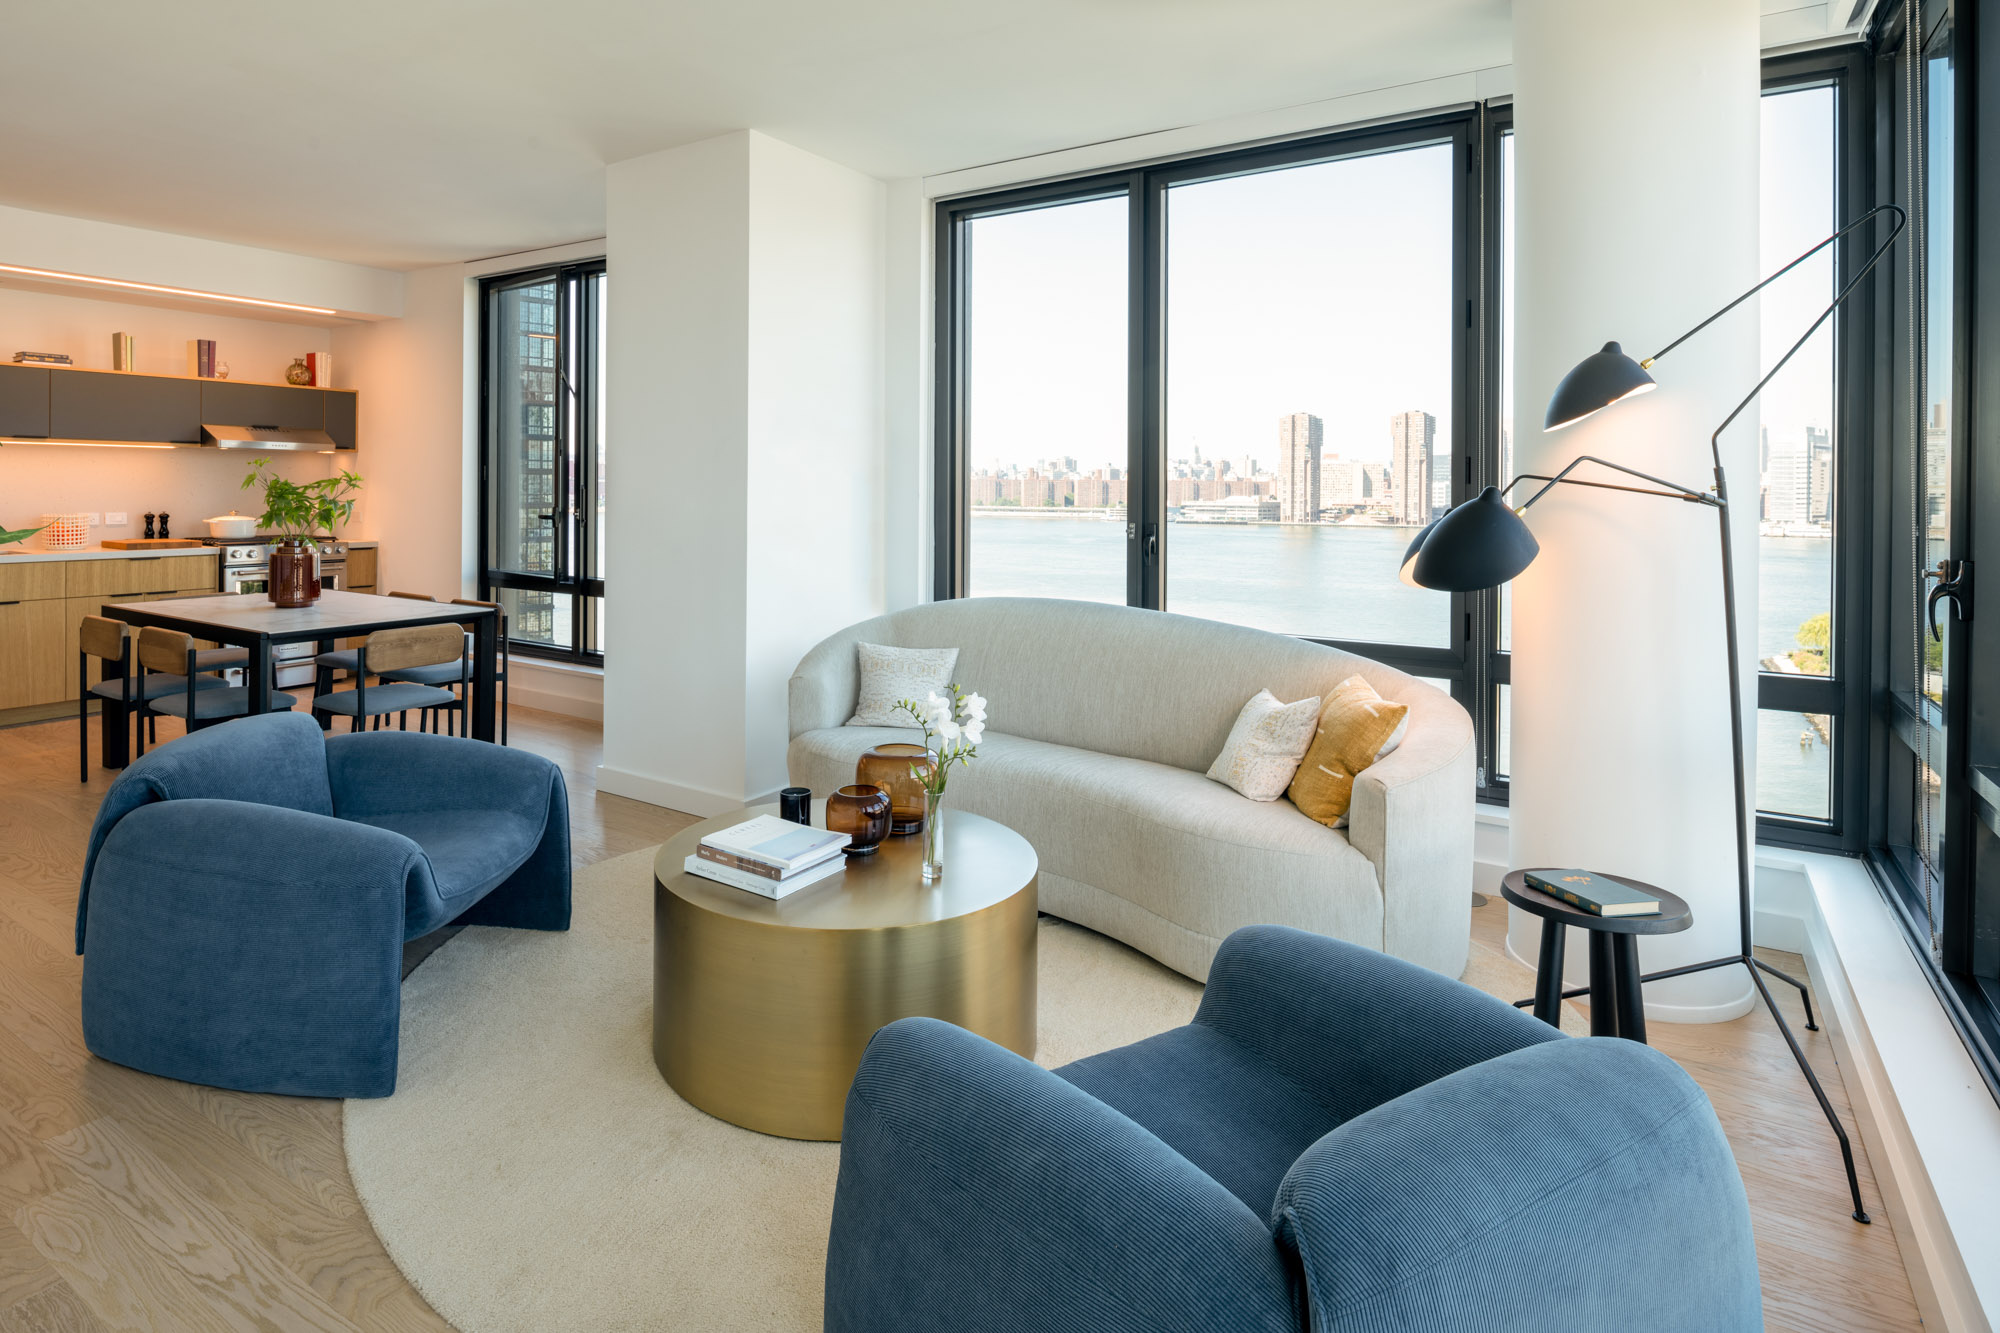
<point>889,675</point>
<point>1265,746</point>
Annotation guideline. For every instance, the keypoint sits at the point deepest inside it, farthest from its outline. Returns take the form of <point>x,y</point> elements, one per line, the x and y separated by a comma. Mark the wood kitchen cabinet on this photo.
<point>107,405</point>
<point>31,635</point>
<point>89,584</point>
<point>24,401</point>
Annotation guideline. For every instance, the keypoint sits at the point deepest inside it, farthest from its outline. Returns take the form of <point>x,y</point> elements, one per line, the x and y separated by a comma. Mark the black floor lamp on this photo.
<point>1482,543</point>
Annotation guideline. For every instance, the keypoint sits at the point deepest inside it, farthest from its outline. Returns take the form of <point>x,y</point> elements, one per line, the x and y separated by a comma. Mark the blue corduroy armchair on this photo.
<point>248,890</point>
<point>1339,1141</point>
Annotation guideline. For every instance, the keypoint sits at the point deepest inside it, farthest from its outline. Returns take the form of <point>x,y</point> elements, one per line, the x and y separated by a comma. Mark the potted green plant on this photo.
<point>8,538</point>
<point>298,513</point>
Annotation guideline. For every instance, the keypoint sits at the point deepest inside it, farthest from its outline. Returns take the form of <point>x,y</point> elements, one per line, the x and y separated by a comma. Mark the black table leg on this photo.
<point>323,684</point>
<point>1603,993</point>
<point>1631,1005</point>
<point>113,722</point>
<point>257,676</point>
<point>1549,974</point>
<point>485,670</point>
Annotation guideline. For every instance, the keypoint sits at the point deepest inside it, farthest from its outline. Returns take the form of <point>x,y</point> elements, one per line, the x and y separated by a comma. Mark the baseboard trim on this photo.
<point>701,801</point>
<point>590,710</point>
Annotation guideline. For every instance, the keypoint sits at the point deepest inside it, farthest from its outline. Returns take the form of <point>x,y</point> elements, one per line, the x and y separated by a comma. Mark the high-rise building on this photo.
<point>1787,483</point>
<point>1412,439</point>
<point>1819,475</point>
<point>1300,437</point>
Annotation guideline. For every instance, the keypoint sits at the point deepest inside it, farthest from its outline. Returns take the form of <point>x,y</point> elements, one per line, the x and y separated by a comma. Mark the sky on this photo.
<point>1322,289</point>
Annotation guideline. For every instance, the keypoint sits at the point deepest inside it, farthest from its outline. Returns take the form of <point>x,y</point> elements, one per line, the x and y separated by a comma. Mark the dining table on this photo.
<point>253,622</point>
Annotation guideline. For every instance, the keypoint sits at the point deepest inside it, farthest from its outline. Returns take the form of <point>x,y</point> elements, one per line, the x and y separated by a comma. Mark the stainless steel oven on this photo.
<point>246,569</point>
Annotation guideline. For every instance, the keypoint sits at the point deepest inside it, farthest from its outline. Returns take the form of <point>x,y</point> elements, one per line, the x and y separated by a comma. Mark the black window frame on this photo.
<point>580,357</point>
<point>1145,186</point>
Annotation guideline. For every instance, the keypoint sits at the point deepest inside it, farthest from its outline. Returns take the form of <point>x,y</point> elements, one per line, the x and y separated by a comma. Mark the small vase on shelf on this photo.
<point>933,836</point>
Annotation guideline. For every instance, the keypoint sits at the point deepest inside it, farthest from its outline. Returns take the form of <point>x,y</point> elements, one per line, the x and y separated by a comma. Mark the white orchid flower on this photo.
<point>973,731</point>
<point>947,730</point>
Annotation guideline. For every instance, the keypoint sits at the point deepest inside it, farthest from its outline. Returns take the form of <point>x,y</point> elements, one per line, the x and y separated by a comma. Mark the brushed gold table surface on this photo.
<point>762,1007</point>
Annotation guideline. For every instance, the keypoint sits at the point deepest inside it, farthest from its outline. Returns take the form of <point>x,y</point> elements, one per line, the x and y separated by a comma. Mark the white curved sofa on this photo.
<point>1103,721</point>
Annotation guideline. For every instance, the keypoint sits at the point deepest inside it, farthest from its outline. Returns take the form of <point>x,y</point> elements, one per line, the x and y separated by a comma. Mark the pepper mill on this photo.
<point>149,527</point>
<point>164,534</point>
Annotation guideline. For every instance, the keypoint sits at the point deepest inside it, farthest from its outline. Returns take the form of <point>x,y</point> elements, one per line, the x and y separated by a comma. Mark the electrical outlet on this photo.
<point>94,520</point>
<point>115,520</point>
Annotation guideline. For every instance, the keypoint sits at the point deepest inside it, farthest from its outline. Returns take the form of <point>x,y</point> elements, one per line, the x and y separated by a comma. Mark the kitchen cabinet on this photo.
<point>31,655</point>
<point>361,565</point>
<point>89,584</point>
<point>341,413</point>
<point>24,401</point>
<point>272,406</point>
<point>106,405</point>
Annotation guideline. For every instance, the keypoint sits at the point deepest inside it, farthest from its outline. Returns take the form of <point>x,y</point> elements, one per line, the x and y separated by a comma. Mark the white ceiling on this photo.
<point>425,131</point>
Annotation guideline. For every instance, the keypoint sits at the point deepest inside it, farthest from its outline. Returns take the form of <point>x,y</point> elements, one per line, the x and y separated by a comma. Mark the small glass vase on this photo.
<point>933,836</point>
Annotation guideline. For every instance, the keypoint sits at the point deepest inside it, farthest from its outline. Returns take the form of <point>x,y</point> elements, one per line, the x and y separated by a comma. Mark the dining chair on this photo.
<point>444,673</point>
<point>390,650</point>
<point>344,659</point>
<point>111,641</point>
<point>500,668</point>
<point>172,654</point>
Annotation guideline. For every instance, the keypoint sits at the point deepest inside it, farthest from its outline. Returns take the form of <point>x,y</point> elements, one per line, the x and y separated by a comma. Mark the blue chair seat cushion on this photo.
<point>210,703</point>
<point>1214,1102</point>
<point>390,698</point>
<point>344,659</point>
<point>438,673</point>
<point>153,686</point>
<point>470,851</point>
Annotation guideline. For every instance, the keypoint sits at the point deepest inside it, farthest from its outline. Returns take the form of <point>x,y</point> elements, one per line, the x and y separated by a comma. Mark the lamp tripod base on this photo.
<point>1756,967</point>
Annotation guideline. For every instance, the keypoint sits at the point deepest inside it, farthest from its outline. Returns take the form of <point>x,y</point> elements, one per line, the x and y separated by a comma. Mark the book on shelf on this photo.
<point>321,366</point>
<point>752,866</point>
<point>42,359</point>
<point>776,844</point>
<point>122,348</point>
<point>201,358</point>
<point>758,884</point>
<point>1599,895</point>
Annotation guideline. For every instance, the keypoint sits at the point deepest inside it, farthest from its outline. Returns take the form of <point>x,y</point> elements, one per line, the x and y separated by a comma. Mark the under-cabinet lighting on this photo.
<point>170,291</point>
<point>96,444</point>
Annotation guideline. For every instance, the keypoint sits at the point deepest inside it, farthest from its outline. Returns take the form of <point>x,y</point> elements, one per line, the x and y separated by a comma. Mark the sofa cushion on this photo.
<point>1168,840</point>
<point>1356,727</point>
<point>891,675</point>
<point>1265,746</point>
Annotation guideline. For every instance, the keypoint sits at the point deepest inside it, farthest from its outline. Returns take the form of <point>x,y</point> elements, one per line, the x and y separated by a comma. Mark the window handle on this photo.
<point>1957,586</point>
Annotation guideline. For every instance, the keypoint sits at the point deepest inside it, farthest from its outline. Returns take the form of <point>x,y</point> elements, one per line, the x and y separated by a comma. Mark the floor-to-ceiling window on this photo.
<point>542,458</point>
<point>1234,386</point>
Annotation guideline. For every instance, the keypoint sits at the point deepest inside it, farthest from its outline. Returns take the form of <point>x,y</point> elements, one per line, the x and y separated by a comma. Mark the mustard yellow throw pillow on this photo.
<point>1356,727</point>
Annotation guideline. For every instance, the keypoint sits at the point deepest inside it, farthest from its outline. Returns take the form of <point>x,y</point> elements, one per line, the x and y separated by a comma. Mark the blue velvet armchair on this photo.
<point>1339,1141</point>
<point>248,890</point>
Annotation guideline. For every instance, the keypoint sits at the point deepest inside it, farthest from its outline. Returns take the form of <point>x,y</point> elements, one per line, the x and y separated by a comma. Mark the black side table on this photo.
<point>1616,1009</point>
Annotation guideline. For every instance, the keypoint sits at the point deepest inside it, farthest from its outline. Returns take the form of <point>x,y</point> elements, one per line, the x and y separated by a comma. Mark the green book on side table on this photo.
<point>1597,894</point>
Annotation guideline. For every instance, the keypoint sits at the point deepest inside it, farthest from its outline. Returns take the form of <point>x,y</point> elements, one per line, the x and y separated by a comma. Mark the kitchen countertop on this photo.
<point>14,555</point>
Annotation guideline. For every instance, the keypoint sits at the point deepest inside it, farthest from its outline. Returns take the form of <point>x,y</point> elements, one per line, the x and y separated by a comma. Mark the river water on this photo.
<point>1340,582</point>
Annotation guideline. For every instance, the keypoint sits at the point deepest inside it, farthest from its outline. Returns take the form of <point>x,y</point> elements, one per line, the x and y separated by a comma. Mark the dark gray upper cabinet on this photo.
<point>270,405</point>
<point>24,401</point>
<point>340,417</point>
<point>100,405</point>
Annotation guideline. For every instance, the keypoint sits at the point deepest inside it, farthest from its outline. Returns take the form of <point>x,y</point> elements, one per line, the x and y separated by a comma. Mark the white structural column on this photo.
<point>745,460</point>
<point>1636,143</point>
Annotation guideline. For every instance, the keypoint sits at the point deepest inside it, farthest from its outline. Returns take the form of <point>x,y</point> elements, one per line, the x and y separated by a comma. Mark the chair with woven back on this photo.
<point>387,651</point>
<point>172,654</point>
<point>111,641</point>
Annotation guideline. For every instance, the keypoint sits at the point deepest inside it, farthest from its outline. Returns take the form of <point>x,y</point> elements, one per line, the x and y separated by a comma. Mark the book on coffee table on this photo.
<point>768,843</point>
<point>1599,895</point>
<point>761,885</point>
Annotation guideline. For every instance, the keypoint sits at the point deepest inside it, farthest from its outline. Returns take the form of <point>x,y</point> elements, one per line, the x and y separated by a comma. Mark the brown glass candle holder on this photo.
<point>888,767</point>
<point>862,813</point>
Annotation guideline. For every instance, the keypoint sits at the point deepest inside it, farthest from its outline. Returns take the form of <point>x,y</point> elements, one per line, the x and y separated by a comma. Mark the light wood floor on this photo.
<point>133,1202</point>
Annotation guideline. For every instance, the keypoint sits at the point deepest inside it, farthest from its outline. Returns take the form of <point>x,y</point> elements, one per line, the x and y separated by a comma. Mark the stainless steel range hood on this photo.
<point>273,438</point>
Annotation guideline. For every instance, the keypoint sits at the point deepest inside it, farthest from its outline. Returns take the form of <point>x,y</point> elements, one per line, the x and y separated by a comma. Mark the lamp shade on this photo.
<point>1597,381</point>
<point>1479,544</point>
<point>1407,573</point>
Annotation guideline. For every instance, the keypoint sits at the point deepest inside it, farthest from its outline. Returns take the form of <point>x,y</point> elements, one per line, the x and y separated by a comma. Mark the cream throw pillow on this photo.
<point>1357,728</point>
<point>1264,746</point>
<point>889,675</point>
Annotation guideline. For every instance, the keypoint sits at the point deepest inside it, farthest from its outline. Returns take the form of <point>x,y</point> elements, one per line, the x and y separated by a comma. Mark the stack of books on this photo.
<point>201,358</point>
<point>321,366</point>
<point>41,359</point>
<point>768,856</point>
<point>1600,895</point>
<point>123,352</point>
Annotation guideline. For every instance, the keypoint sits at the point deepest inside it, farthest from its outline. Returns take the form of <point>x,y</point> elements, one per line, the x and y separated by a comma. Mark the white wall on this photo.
<point>1621,754</point>
<point>745,360</point>
<point>189,484</point>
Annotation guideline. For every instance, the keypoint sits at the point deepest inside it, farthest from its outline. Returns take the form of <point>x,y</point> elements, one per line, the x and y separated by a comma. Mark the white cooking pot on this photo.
<point>232,524</point>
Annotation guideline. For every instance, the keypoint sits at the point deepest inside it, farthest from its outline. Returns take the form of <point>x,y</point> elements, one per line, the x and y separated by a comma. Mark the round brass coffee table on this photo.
<point>761,1008</point>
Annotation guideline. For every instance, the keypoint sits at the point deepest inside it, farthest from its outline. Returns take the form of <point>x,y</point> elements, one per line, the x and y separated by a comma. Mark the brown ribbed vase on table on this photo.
<point>294,574</point>
<point>888,767</point>
<point>862,813</point>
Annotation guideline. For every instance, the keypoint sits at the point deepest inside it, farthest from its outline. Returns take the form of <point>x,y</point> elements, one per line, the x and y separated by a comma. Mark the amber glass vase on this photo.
<point>862,813</point>
<point>294,574</point>
<point>888,767</point>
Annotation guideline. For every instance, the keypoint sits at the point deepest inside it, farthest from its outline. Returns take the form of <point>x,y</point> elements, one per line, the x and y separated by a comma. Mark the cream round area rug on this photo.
<point>534,1172</point>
